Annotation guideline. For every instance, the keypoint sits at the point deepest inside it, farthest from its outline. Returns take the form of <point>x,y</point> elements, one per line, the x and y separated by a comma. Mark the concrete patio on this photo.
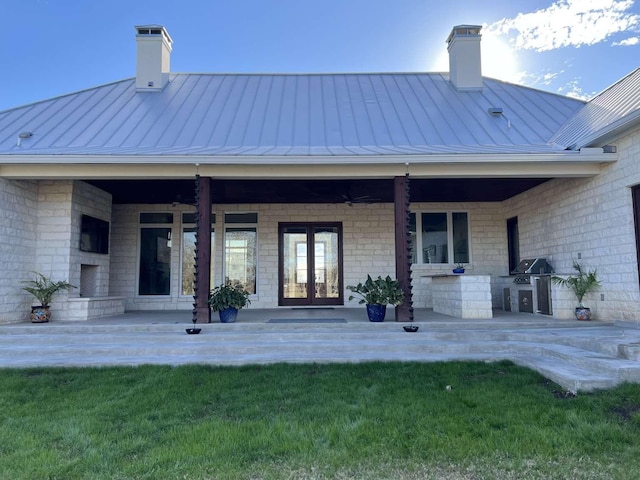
<point>579,356</point>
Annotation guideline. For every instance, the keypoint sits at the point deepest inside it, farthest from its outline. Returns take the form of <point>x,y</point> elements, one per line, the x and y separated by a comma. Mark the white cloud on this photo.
<point>627,42</point>
<point>567,23</point>
<point>544,78</point>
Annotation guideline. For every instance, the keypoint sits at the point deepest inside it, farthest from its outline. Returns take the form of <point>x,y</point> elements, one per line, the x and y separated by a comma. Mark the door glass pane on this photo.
<point>295,262</point>
<point>326,262</point>
<point>240,257</point>
<point>460,237</point>
<point>434,238</point>
<point>155,261</point>
<point>188,259</point>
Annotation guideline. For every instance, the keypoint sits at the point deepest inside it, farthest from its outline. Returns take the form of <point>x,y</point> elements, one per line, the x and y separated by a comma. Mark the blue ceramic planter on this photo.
<point>228,315</point>
<point>376,312</point>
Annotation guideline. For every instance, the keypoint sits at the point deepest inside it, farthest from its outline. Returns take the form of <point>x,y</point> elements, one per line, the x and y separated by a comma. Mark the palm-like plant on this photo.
<point>581,283</point>
<point>43,288</point>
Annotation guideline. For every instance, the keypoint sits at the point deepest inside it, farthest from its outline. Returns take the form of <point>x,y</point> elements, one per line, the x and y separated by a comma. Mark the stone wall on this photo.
<point>589,220</point>
<point>368,242</point>
<point>18,230</point>
<point>487,230</point>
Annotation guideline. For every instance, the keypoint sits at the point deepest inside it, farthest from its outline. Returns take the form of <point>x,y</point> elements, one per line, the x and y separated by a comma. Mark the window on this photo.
<point>155,254</point>
<point>241,245</point>
<point>439,237</point>
<point>189,252</point>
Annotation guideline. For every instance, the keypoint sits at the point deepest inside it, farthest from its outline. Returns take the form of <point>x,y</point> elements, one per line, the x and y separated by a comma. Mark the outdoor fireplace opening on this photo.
<point>88,280</point>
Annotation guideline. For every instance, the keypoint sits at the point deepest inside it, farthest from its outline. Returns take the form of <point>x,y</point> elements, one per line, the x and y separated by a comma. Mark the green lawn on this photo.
<point>363,421</point>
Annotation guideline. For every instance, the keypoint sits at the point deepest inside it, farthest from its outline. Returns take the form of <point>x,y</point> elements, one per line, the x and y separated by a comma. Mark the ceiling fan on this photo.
<point>350,200</point>
<point>180,199</point>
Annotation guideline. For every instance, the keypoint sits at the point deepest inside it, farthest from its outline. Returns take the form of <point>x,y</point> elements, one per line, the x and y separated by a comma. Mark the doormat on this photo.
<point>307,320</point>
<point>313,308</point>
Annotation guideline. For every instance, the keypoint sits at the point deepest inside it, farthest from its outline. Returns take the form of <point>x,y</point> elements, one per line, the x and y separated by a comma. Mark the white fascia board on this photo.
<point>261,160</point>
<point>574,164</point>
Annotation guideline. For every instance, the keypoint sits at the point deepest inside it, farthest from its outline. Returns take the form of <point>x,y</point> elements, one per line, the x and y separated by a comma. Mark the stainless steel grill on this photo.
<point>531,266</point>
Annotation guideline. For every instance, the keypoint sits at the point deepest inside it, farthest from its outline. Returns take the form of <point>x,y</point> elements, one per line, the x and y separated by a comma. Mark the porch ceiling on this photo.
<point>317,191</point>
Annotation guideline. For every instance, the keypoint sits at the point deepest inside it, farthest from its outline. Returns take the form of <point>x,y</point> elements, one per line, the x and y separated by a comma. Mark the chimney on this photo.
<point>465,65</point>
<point>154,54</point>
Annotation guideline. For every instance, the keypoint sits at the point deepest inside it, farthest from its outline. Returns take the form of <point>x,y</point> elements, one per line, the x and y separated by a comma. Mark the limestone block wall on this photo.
<point>18,230</point>
<point>589,220</point>
<point>89,200</point>
<point>487,230</point>
<point>125,254</point>
<point>60,204</point>
<point>53,230</point>
<point>368,242</point>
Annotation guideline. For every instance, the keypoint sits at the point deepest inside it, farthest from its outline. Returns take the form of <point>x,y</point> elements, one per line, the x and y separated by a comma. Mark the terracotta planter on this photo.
<point>583,313</point>
<point>40,314</point>
<point>228,315</point>
<point>376,312</point>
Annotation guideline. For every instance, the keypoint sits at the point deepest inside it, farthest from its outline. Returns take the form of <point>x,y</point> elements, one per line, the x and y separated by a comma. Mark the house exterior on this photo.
<point>310,182</point>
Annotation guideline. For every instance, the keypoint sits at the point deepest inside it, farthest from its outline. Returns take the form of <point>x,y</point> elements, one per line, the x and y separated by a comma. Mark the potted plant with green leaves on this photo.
<point>227,299</point>
<point>459,268</point>
<point>43,289</point>
<point>581,284</point>
<point>377,294</point>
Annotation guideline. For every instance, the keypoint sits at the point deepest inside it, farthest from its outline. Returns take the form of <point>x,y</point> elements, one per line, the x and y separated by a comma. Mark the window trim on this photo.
<point>223,244</point>
<point>182,228</point>
<point>418,247</point>
<point>140,226</point>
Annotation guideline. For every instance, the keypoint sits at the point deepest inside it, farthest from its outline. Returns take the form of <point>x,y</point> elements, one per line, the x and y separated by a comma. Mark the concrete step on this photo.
<point>162,325</point>
<point>555,352</point>
<point>619,369</point>
<point>573,379</point>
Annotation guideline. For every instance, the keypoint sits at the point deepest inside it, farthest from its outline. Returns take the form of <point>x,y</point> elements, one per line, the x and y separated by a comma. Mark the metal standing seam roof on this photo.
<point>290,114</point>
<point>616,108</point>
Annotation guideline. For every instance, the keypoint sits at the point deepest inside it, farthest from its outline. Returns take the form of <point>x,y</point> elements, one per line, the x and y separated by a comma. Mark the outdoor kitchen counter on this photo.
<point>462,296</point>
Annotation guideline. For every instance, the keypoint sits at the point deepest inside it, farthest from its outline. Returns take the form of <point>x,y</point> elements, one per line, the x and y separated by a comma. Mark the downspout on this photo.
<point>202,282</point>
<point>404,312</point>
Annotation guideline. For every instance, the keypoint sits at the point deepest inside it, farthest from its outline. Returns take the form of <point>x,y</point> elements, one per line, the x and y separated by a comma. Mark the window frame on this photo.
<point>143,225</point>
<point>418,248</point>
<point>184,225</point>
<point>234,225</point>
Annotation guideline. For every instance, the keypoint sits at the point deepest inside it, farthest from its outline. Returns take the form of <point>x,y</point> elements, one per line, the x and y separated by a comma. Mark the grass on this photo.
<point>358,421</point>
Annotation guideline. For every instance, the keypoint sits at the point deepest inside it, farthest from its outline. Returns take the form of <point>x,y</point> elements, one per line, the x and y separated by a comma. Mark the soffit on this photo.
<point>315,191</point>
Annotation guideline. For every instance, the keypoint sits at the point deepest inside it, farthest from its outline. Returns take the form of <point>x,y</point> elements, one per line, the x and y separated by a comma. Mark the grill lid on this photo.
<point>533,266</point>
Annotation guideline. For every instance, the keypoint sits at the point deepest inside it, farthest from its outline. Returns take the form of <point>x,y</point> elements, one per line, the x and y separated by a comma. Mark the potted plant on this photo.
<point>43,289</point>
<point>459,268</point>
<point>377,294</point>
<point>227,299</point>
<point>581,284</point>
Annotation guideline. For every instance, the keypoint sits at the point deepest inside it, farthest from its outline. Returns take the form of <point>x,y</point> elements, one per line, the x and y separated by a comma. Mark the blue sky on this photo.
<point>576,47</point>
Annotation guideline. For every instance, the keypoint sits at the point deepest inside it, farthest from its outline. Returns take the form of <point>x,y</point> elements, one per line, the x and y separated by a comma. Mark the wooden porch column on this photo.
<point>404,312</point>
<point>201,311</point>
